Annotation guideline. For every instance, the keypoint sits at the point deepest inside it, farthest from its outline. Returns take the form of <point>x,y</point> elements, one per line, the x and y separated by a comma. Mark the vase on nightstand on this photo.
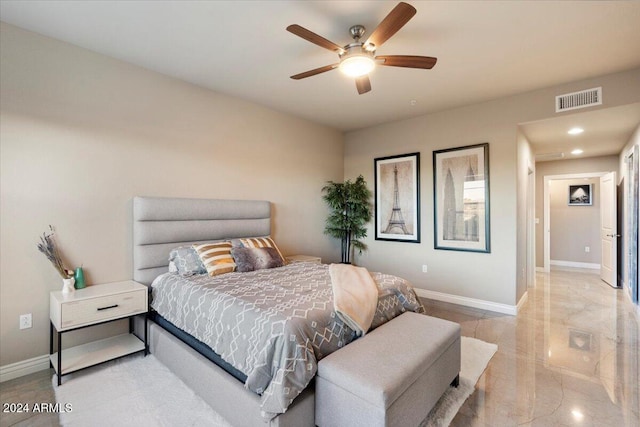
<point>67,285</point>
<point>79,278</point>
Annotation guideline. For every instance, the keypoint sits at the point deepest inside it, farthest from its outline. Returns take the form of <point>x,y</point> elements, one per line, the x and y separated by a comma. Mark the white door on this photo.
<point>609,228</point>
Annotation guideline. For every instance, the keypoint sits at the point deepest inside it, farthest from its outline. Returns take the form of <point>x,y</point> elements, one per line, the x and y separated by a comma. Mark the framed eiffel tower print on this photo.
<point>397,198</point>
<point>461,198</point>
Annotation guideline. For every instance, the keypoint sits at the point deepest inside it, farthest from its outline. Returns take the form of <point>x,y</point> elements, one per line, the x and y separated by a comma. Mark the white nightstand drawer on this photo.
<point>96,304</point>
<point>99,309</point>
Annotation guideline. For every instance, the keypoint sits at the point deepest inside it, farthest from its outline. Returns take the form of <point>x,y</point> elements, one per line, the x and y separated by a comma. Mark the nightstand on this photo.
<point>303,258</point>
<point>92,306</point>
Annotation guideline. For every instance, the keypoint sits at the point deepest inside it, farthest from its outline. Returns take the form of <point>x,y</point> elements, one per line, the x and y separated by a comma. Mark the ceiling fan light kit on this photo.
<point>358,59</point>
<point>356,64</point>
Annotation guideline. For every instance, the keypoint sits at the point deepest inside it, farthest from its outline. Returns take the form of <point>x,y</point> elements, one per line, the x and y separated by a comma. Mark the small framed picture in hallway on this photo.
<point>580,195</point>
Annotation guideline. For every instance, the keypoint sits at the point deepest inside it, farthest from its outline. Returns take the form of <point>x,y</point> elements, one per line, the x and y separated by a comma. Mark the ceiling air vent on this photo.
<point>582,99</point>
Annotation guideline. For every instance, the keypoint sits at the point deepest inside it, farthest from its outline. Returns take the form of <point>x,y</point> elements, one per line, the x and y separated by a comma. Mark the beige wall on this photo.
<point>475,275</point>
<point>496,277</point>
<point>81,134</point>
<point>574,227</point>
<point>564,167</point>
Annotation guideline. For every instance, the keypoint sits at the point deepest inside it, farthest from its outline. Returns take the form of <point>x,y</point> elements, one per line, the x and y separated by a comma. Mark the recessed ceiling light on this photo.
<point>575,131</point>
<point>577,151</point>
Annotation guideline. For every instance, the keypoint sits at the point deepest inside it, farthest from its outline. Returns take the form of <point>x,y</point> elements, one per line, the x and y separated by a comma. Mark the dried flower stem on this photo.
<point>48,247</point>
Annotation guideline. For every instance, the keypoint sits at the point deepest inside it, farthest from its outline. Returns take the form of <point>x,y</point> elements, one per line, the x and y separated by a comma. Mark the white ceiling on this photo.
<point>606,132</point>
<point>485,49</point>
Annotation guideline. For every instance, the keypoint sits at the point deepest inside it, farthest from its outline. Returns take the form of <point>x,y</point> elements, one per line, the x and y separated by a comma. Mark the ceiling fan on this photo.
<point>358,59</point>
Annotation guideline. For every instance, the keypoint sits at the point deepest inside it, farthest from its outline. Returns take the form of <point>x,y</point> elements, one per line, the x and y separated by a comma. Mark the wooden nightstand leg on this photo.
<point>59,358</point>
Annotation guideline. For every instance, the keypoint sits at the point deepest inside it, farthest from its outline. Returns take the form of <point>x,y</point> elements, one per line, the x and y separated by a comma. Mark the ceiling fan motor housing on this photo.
<point>357,31</point>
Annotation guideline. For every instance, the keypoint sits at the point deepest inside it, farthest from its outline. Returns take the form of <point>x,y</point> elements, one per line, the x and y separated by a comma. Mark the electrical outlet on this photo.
<point>424,268</point>
<point>587,249</point>
<point>25,321</point>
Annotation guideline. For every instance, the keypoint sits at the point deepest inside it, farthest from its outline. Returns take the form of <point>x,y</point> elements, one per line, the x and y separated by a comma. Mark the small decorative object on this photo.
<point>48,247</point>
<point>461,198</point>
<point>397,180</point>
<point>580,195</point>
<point>350,212</point>
<point>79,278</point>
<point>67,285</point>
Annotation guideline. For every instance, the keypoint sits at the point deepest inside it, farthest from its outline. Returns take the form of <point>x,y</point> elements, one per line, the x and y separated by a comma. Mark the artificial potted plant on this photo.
<point>350,212</point>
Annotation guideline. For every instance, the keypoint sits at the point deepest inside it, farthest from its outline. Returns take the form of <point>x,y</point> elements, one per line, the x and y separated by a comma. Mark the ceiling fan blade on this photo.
<point>363,84</point>
<point>409,61</point>
<point>314,71</point>
<point>314,38</point>
<point>396,19</point>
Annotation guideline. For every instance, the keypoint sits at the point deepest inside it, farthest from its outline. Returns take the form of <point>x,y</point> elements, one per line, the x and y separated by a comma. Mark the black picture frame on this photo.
<point>461,199</point>
<point>397,198</point>
<point>580,195</point>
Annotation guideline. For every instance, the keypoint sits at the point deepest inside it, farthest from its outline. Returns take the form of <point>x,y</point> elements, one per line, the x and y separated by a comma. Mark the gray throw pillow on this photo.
<point>251,259</point>
<point>187,261</point>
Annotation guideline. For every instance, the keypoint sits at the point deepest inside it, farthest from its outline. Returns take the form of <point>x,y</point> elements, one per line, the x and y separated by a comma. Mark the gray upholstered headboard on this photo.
<point>161,224</point>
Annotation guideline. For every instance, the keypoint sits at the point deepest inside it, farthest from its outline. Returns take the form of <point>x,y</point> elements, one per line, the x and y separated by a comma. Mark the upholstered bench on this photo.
<point>393,376</point>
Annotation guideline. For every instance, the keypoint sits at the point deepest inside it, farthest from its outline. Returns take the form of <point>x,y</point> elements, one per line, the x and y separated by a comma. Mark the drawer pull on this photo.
<point>107,308</point>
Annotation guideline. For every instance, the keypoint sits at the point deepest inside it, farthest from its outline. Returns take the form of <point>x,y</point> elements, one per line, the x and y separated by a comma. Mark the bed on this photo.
<point>238,384</point>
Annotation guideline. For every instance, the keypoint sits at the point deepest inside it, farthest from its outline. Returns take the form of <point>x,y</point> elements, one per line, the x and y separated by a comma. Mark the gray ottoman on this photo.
<point>392,376</point>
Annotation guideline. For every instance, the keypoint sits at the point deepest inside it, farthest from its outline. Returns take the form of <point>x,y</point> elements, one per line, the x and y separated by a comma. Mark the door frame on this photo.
<point>631,237</point>
<point>531,226</point>
<point>547,209</point>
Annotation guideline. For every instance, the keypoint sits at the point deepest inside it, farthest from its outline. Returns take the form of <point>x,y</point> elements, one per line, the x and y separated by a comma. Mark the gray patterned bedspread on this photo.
<point>273,325</point>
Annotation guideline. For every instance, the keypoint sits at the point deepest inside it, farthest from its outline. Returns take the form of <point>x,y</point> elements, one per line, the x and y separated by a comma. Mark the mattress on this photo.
<point>272,325</point>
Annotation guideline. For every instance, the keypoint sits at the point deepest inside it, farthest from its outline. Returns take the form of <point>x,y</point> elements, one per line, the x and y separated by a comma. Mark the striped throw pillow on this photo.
<point>262,242</point>
<point>216,257</point>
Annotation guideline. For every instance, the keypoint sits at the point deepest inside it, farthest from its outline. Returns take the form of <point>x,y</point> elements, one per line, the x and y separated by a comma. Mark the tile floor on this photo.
<point>570,358</point>
<point>31,389</point>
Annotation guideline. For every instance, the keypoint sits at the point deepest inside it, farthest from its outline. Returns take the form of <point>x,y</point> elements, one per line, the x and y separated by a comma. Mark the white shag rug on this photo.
<point>140,391</point>
<point>475,355</point>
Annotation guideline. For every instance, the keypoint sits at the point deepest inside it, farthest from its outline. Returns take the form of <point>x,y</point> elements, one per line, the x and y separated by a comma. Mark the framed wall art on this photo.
<point>397,198</point>
<point>461,198</point>
<point>580,195</point>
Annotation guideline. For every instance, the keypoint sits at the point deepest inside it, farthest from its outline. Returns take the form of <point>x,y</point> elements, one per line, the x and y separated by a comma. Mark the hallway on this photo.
<point>570,357</point>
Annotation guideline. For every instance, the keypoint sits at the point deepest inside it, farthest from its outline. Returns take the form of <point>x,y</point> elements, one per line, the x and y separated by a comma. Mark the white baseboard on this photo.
<point>24,367</point>
<point>469,302</point>
<point>522,302</point>
<point>573,264</point>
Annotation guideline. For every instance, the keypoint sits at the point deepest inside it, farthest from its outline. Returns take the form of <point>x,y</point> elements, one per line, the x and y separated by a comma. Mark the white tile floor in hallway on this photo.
<point>570,358</point>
